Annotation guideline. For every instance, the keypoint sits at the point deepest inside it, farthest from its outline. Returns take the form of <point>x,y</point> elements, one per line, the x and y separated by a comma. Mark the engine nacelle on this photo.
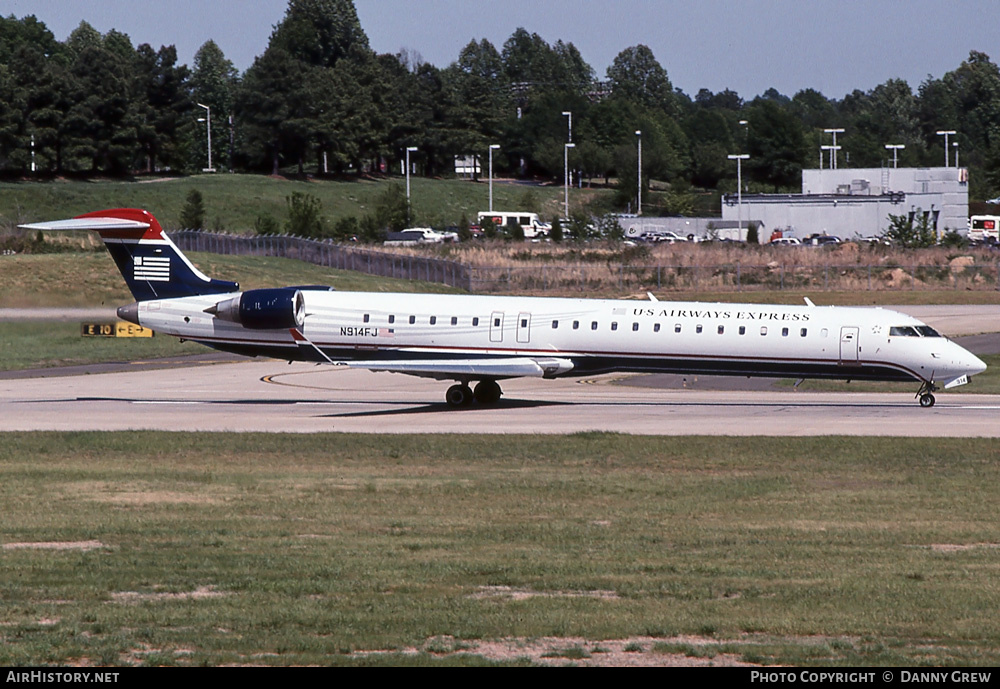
<point>263,309</point>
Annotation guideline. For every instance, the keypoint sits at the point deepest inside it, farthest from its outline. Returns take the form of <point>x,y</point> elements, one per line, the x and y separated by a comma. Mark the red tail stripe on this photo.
<point>153,232</point>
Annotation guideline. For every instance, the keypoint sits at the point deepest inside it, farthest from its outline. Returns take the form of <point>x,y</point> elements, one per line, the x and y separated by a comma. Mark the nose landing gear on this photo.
<point>926,394</point>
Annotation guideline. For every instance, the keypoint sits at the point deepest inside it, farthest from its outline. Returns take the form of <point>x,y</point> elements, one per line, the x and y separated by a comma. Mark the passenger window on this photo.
<point>367,317</point>
<point>763,330</point>
<point>524,322</point>
<point>743,330</point>
<point>555,324</point>
<point>454,320</point>
<point>784,332</point>
<point>824,332</point>
<point>677,328</point>
<point>656,327</point>
<point>635,327</point>
<point>698,328</point>
<point>413,319</point>
<point>434,319</point>
<point>576,325</point>
<point>496,322</point>
<point>722,329</point>
<point>802,332</point>
<point>593,325</point>
<point>614,326</point>
<point>392,319</point>
<point>475,321</point>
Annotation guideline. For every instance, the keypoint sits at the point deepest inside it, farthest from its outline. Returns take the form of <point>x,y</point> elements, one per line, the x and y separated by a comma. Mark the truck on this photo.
<point>533,228</point>
<point>984,228</point>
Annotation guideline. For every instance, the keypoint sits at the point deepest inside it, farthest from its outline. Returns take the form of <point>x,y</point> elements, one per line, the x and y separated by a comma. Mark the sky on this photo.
<point>749,46</point>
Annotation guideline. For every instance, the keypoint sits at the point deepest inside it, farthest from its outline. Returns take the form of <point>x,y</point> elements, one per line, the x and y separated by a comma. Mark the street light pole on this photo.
<point>955,144</point>
<point>895,149</point>
<point>566,148</point>
<point>409,149</point>
<point>946,134</point>
<point>833,151</point>
<point>638,177</point>
<point>568,114</point>
<point>739,190</point>
<point>208,120</point>
<point>492,148</point>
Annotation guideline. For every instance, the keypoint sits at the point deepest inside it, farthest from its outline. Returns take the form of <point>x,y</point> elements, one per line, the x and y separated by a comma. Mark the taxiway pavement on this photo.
<point>272,396</point>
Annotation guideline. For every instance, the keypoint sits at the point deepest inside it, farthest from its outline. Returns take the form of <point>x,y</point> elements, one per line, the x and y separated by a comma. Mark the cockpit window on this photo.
<point>928,331</point>
<point>903,331</point>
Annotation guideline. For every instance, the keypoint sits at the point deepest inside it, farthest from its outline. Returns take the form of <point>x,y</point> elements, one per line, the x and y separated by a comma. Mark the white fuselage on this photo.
<point>596,335</point>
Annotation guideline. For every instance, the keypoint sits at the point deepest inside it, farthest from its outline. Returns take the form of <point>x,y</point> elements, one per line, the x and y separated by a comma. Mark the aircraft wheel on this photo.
<point>488,392</point>
<point>458,396</point>
<point>927,400</point>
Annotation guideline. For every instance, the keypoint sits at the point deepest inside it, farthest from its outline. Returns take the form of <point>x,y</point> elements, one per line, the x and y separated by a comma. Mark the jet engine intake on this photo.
<point>263,309</point>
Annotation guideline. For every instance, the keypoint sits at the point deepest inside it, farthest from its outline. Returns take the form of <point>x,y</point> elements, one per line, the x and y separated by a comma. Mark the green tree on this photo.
<point>305,215</point>
<point>478,96</point>
<point>319,32</point>
<point>390,209</point>
<point>164,107</point>
<point>557,231</point>
<point>464,233</point>
<point>636,76</point>
<point>912,231</point>
<point>776,145</point>
<point>214,82</point>
<point>513,230</point>
<point>193,213</point>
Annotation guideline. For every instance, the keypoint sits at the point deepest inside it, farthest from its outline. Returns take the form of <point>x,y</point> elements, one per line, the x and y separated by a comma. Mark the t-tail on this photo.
<point>152,265</point>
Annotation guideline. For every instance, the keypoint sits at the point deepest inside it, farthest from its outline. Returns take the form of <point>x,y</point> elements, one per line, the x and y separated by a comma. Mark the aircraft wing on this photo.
<point>446,369</point>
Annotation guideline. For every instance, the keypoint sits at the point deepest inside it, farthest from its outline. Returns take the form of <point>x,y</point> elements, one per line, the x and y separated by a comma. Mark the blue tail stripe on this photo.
<point>159,271</point>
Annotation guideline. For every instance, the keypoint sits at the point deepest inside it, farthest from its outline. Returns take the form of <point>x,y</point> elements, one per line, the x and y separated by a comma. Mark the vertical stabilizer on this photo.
<point>152,265</point>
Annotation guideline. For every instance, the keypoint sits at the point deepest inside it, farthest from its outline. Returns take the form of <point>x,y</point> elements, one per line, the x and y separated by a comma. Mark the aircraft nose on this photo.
<point>974,363</point>
<point>966,362</point>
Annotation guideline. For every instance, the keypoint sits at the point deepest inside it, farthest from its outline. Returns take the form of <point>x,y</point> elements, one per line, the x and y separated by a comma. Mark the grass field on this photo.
<point>91,278</point>
<point>270,549</point>
<point>195,549</point>
<point>234,202</point>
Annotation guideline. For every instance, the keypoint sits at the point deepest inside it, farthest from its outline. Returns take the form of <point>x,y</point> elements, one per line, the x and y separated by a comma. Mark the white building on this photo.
<point>857,202</point>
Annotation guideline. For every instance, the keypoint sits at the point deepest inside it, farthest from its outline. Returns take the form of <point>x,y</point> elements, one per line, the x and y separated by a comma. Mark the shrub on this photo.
<point>193,213</point>
<point>304,217</point>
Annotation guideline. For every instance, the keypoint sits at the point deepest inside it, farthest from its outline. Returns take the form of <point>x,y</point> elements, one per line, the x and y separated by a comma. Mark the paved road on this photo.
<point>271,396</point>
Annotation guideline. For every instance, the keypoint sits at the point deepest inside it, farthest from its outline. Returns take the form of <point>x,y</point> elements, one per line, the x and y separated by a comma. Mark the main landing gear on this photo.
<point>926,394</point>
<point>461,395</point>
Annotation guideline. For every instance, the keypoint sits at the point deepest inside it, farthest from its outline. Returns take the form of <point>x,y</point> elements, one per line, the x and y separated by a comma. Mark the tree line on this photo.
<point>319,99</point>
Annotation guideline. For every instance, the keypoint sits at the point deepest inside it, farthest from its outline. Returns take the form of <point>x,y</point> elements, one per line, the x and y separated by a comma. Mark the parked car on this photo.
<point>785,241</point>
<point>419,235</point>
<point>821,240</point>
<point>665,236</point>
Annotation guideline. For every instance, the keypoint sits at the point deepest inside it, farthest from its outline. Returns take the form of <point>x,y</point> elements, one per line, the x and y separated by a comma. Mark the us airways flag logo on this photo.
<point>152,268</point>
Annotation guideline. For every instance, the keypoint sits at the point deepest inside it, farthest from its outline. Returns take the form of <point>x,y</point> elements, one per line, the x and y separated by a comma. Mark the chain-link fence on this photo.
<point>583,278</point>
<point>588,277</point>
<point>328,254</point>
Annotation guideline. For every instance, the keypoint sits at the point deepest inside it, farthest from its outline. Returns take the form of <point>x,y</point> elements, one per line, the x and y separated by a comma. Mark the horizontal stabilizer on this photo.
<point>507,367</point>
<point>98,224</point>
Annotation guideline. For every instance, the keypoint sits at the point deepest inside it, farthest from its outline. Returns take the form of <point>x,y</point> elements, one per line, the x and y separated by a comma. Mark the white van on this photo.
<point>533,228</point>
